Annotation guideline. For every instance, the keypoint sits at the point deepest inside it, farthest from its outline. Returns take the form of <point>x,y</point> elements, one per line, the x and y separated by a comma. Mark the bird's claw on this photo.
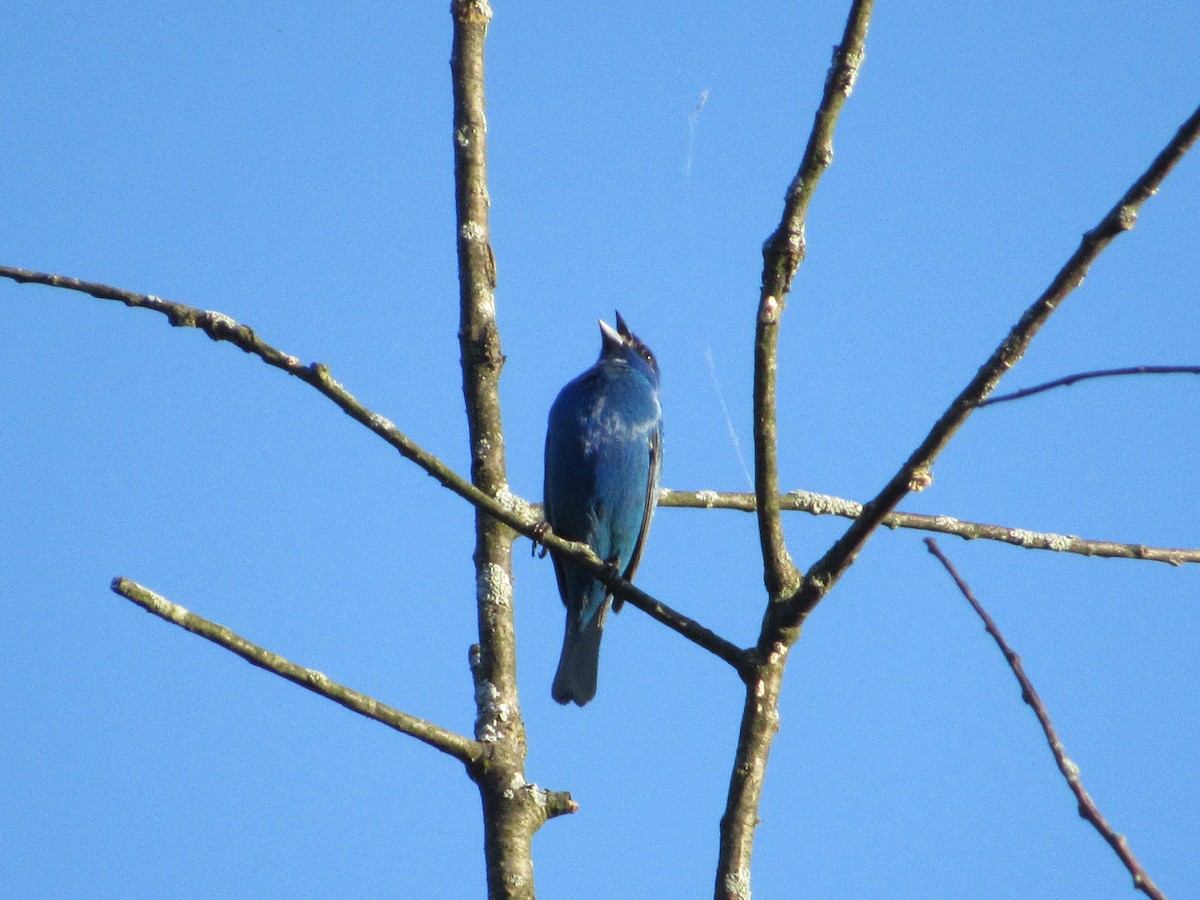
<point>539,534</point>
<point>611,571</point>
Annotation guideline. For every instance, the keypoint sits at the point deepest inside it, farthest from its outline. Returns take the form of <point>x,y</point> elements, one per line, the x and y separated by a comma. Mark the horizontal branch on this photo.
<point>826,505</point>
<point>464,749</point>
<point>1086,376</point>
<point>1070,771</point>
<point>508,508</point>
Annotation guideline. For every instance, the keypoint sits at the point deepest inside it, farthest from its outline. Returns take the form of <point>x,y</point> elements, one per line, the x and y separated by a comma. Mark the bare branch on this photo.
<point>825,573</point>
<point>463,749</point>
<point>513,810</point>
<point>783,252</point>
<point>1070,771</point>
<point>1085,376</point>
<point>763,674</point>
<point>506,507</point>
<point>679,623</point>
<point>582,556</point>
<point>482,362</point>
<point>828,505</point>
<point>221,327</point>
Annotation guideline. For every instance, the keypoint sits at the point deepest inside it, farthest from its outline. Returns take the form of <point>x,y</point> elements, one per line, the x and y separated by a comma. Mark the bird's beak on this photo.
<point>611,337</point>
<point>622,328</point>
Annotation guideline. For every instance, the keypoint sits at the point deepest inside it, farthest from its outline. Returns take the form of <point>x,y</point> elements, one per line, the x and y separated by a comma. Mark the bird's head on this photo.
<point>622,345</point>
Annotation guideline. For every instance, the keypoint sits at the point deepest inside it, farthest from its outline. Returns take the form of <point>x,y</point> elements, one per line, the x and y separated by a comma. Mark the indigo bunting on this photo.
<point>603,460</point>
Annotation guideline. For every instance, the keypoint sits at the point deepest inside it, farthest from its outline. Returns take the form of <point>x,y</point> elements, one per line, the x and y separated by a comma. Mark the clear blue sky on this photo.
<point>289,165</point>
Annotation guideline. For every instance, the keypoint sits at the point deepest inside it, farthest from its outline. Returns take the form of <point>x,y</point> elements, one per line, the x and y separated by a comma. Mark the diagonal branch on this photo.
<point>220,327</point>
<point>463,749</point>
<point>679,623</point>
<point>827,505</point>
<point>825,573</point>
<point>1086,376</point>
<point>1087,807</point>
<point>506,507</point>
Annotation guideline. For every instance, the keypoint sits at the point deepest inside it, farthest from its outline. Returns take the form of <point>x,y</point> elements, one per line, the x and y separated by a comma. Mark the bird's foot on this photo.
<point>611,570</point>
<point>539,533</point>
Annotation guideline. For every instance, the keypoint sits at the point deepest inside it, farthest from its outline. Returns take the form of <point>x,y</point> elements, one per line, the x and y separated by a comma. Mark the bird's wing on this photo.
<point>550,514</point>
<point>570,477</point>
<point>647,510</point>
<point>560,574</point>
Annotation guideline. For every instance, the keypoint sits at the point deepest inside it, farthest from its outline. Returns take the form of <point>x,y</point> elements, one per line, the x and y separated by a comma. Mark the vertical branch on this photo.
<point>782,254</point>
<point>512,809</point>
<point>760,724</point>
<point>479,338</point>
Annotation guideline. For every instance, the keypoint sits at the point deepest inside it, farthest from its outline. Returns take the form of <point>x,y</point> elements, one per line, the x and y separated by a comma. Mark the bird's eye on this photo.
<point>648,356</point>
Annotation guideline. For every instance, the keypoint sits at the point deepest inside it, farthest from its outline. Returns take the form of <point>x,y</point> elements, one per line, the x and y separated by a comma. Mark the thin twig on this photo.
<point>828,505</point>
<point>1122,217</point>
<point>1085,376</point>
<point>461,748</point>
<point>506,507</point>
<point>1070,771</point>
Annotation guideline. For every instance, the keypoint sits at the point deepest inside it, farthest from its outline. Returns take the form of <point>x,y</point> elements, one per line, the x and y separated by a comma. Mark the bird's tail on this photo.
<point>575,681</point>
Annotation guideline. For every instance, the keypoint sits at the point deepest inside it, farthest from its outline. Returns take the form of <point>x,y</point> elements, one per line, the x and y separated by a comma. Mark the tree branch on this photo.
<point>763,673</point>
<point>783,252</point>
<point>220,327</point>
<point>482,362</point>
<point>1122,217</point>
<point>679,623</point>
<point>582,556</point>
<point>505,507</point>
<point>1087,807</point>
<point>463,749</point>
<point>827,505</point>
<point>513,810</point>
<point>1085,376</point>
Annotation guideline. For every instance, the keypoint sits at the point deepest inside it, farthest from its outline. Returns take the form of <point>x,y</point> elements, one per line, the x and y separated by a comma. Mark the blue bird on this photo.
<point>603,460</point>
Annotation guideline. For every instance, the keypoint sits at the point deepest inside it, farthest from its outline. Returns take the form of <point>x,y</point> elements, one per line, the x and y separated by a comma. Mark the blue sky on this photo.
<point>289,166</point>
